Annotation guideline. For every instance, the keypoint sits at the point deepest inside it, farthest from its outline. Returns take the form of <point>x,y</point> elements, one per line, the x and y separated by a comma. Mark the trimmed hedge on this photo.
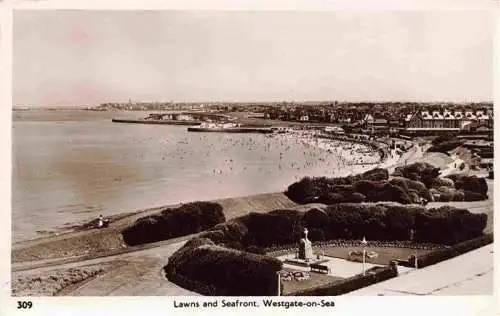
<point>200,265</point>
<point>376,191</point>
<point>470,183</point>
<point>444,138</point>
<point>170,223</point>
<point>447,225</point>
<point>451,252</point>
<point>418,171</point>
<point>381,221</point>
<point>417,186</point>
<point>446,146</point>
<point>373,275</point>
<point>320,189</point>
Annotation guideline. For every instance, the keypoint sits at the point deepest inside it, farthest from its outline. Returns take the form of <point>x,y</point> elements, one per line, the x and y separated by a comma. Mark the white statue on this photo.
<point>305,247</point>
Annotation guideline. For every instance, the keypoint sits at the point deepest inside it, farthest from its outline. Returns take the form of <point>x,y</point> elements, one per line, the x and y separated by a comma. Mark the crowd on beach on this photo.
<point>298,152</point>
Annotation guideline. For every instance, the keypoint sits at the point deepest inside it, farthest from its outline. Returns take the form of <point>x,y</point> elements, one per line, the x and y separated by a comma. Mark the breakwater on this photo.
<point>159,122</point>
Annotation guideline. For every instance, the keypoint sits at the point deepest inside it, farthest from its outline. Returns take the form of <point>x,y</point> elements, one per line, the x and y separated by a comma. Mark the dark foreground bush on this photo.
<point>170,223</point>
<point>373,275</point>
<point>206,268</point>
<point>470,183</point>
<point>448,225</point>
<point>444,225</point>
<point>381,221</point>
<point>453,251</point>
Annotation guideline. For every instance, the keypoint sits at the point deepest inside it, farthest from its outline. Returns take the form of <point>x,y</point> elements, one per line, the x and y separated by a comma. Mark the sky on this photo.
<point>91,57</point>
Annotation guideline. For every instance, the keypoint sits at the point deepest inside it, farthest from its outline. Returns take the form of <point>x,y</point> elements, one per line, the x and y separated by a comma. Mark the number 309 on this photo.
<point>24,304</point>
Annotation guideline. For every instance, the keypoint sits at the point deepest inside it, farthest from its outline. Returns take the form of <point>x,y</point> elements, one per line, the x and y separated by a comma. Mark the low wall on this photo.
<point>351,284</point>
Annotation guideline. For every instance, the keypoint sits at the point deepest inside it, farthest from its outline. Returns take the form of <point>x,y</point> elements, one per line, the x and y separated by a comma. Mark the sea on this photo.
<point>69,166</point>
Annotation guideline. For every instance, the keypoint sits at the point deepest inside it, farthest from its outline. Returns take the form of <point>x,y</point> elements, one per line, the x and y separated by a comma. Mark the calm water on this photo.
<point>70,166</point>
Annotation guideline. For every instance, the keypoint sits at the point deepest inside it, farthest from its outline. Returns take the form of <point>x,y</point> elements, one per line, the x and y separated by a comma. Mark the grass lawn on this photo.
<point>385,254</point>
<point>316,279</point>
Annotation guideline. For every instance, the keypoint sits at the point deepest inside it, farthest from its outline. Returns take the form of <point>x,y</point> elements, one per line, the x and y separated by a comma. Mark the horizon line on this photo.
<point>257,101</point>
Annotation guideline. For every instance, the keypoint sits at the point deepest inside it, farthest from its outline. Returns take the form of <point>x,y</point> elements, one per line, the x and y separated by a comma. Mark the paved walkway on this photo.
<point>467,274</point>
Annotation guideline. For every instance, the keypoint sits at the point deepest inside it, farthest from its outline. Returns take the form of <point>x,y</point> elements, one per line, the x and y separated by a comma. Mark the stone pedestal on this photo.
<point>305,249</point>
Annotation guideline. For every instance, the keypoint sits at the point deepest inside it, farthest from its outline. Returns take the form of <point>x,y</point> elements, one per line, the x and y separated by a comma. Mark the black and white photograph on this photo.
<point>268,153</point>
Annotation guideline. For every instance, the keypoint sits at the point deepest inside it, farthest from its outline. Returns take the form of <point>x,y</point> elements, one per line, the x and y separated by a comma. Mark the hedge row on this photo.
<point>371,186</point>
<point>381,222</point>
<point>454,187</point>
<point>470,183</point>
<point>410,184</point>
<point>418,171</point>
<point>444,138</point>
<point>226,272</point>
<point>446,146</point>
<point>445,143</point>
<point>170,223</point>
<point>373,275</point>
<point>450,252</point>
<point>457,187</point>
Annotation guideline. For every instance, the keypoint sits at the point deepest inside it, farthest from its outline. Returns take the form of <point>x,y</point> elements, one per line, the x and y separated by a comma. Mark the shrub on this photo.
<point>445,146</point>
<point>376,191</point>
<point>170,223</point>
<point>470,196</point>
<point>236,229</point>
<point>458,196</point>
<point>450,252</point>
<point>415,198</point>
<point>448,225</point>
<point>445,194</point>
<point>442,182</point>
<point>303,191</point>
<point>470,183</point>
<point>331,190</point>
<point>419,171</point>
<point>267,229</point>
<point>217,236</point>
<point>228,272</point>
<point>377,174</point>
<point>443,138</point>
<point>444,225</point>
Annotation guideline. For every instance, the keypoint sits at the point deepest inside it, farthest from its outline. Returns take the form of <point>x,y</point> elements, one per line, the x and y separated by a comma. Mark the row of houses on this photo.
<point>447,119</point>
<point>432,121</point>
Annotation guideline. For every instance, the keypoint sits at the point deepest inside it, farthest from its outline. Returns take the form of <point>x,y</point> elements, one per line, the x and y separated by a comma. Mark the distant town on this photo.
<point>377,117</point>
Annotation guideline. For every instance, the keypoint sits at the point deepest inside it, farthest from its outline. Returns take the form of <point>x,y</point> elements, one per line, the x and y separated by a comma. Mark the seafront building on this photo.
<point>448,121</point>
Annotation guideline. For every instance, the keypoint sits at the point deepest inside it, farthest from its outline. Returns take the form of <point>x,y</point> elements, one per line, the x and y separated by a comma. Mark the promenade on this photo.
<point>467,274</point>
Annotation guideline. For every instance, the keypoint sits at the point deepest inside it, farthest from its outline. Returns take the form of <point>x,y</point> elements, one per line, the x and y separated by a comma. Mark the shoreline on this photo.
<point>316,161</point>
<point>75,241</point>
